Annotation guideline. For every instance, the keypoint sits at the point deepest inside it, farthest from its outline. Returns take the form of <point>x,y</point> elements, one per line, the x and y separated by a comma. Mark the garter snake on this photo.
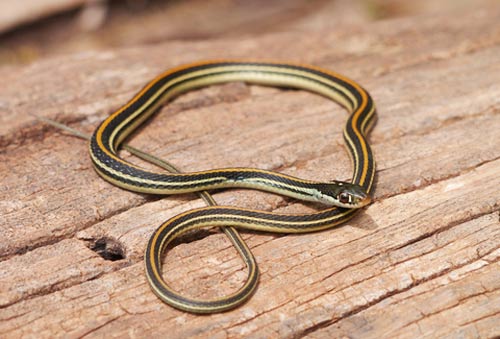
<point>343,197</point>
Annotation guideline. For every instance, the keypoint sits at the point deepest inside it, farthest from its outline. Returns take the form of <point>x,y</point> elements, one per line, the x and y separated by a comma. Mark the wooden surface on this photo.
<point>69,26</point>
<point>105,24</point>
<point>423,260</point>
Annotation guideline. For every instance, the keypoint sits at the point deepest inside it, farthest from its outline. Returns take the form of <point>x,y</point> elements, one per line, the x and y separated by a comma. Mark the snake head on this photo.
<point>343,194</point>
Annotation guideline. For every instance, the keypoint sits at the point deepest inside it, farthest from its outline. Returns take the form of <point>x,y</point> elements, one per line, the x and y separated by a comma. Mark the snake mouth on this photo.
<point>364,201</point>
<point>360,202</point>
<point>359,199</point>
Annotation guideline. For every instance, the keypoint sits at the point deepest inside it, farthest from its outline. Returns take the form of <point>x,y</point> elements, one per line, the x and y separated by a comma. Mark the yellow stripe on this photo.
<point>332,95</point>
<point>269,73</point>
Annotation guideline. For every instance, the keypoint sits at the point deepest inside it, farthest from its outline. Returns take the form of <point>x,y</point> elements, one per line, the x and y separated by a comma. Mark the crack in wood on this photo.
<point>383,297</point>
<point>440,243</point>
<point>427,183</point>
<point>481,318</point>
<point>113,252</point>
<point>454,305</point>
<point>107,248</point>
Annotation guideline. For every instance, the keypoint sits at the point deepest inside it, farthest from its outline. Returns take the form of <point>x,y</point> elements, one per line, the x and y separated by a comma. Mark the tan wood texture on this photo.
<point>421,261</point>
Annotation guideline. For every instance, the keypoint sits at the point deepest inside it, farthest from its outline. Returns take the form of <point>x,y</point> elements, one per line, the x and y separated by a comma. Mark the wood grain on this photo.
<point>422,260</point>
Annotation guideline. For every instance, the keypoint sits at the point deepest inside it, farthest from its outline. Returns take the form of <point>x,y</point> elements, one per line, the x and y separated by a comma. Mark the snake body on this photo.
<point>344,198</point>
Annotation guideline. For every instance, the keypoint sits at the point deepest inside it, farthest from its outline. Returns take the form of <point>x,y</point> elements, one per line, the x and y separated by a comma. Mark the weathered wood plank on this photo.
<point>423,257</point>
<point>408,244</point>
<point>91,84</point>
<point>194,148</point>
<point>48,269</point>
<point>473,287</point>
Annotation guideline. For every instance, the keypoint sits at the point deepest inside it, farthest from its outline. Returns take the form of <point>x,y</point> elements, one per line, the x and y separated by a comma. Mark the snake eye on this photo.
<point>344,197</point>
